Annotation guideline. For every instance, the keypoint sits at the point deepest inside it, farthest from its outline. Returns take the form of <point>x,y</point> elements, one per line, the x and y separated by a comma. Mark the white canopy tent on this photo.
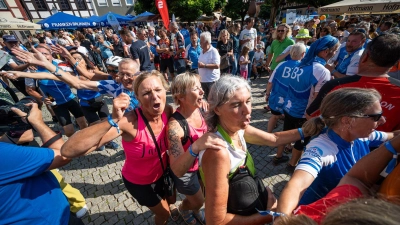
<point>361,7</point>
<point>10,23</point>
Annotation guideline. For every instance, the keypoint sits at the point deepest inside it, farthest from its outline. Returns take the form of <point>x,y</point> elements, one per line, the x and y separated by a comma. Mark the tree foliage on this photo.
<point>236,9</point>
<point>186,10</point>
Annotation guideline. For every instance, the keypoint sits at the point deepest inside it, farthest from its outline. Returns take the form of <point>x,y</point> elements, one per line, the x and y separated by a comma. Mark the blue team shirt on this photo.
<point>304,81</point>
<point>328,158</point>
<point>193,55</point>
<point>28,193</point>
<point>280,79</point>
<point>114,89</point>
<point>344,59</point>
<point>59,90</point>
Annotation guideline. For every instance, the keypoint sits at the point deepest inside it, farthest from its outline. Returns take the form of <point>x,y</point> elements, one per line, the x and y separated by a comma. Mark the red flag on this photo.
<point>163,9</point>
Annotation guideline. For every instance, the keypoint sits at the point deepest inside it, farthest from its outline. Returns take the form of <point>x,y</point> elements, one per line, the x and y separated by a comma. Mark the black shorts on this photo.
<point>156,59</point>
<point>92,115</point>
<point>167,63</point>
<point>276,113</point>
<point>62,111</point>
<point>148,195</point>
<point>290,123</point>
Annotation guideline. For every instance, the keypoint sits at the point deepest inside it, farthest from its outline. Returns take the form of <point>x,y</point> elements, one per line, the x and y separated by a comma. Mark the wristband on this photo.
<point>392,163</point>
<point>112,123</point>
<point>52,140</point>
<point>301,134</point>
<point>191,151</point>
<point>333,71</point>
<point>56,72</point>
<point>76,64</point>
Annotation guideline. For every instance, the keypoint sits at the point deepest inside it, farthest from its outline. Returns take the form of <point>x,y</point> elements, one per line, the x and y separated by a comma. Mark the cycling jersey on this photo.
<point>328,158</point>
<point>59,90</point>
<point>280,79</point>
<point>303,82</point>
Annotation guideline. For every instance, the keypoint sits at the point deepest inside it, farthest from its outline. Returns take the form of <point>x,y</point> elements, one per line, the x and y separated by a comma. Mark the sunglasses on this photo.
<point>281,31</point>
<point>375,117</point>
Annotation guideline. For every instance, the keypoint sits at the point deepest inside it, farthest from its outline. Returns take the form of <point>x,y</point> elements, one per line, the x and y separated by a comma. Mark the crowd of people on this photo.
<point>333,83</point>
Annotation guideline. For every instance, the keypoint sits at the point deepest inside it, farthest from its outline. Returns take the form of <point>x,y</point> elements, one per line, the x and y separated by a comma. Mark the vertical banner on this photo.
<point>112,20</point>
<point>163,9</point>
<point>290,16</point>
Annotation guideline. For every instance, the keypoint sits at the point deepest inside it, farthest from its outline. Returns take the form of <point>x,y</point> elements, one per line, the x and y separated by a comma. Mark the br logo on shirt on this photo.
<point>295,74</point>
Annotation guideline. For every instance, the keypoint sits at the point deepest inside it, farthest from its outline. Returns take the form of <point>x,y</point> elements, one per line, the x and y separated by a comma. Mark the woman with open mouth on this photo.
<point>234,192</point>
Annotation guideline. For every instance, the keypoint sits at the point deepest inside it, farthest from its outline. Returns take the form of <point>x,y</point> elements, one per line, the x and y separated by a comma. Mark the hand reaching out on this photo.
<point>35,58</point>
<point>60,50</point>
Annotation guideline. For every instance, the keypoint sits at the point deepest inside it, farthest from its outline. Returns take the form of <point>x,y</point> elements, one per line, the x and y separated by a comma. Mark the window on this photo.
<point>102,2</point>
<point>129,2</point>
<point>81,4</point>
<point>116,2</point>
<point>40,5</point>
<point>64,5</point>
<point>3,4</point>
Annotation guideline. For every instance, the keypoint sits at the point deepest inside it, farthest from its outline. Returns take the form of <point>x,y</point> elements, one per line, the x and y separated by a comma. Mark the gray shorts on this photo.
<point>188,184</point>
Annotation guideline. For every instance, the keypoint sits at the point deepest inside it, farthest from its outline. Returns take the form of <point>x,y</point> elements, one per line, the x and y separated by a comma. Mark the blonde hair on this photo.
<point>146,74</point>
<point>223,32</point>
<point>288,31</point>
<point>245,51</point>
<point>181,83</point>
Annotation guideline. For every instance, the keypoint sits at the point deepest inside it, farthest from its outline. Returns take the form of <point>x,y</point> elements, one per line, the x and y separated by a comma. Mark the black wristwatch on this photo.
<point>56,72</point>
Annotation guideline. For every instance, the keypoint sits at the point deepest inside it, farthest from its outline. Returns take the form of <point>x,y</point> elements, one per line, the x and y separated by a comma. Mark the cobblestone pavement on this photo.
<point>98,175</point>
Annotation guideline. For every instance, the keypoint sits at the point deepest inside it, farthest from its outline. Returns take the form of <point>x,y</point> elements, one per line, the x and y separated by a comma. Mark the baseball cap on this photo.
<point>69,48</point>
<point>9,38</point>
<point>297,27</point>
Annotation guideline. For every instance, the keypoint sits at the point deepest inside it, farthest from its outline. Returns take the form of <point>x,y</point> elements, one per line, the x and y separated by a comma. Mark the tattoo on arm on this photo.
<point>175,146</point>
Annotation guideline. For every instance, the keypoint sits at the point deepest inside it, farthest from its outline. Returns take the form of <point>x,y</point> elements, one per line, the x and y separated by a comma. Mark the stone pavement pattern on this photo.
<point>98,175</point>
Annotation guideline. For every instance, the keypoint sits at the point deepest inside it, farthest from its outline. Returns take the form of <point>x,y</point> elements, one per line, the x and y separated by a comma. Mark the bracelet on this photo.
<point>191,151</point>
<point>76,64</point>
<point>52,140</point>
<point>392,163</point>
<point>301,134</point>
<point>112,123</point>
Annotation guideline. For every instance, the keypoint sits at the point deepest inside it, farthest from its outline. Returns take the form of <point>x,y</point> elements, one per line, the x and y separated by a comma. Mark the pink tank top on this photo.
<point>195,133</point>
<point>142,164</point>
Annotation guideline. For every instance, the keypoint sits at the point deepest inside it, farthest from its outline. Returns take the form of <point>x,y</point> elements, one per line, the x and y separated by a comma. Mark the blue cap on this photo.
<point>9,38</point>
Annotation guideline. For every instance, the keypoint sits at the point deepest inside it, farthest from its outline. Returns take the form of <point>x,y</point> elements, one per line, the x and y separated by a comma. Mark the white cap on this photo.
<point>297,27</point>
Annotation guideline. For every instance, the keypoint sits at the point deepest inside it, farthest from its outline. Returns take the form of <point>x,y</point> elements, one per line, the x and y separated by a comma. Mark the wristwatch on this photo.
<point>56,72</point>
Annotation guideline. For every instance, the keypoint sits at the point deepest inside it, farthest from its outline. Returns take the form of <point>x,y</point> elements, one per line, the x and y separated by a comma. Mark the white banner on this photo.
<point>112,20</point>
<point>361,7</point>
<point>290,16</point>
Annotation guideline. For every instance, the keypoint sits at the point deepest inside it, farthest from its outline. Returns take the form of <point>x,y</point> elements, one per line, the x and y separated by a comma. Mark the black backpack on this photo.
<point>185,126</point>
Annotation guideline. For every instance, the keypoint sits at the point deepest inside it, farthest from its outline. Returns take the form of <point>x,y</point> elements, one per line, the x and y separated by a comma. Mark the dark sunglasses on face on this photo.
<point>280,31</point>
<point>375,117</point>
<point>113,71</point>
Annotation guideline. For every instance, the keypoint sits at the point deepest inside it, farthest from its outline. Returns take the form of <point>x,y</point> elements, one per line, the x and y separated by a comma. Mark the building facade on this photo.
<point>122,7</point>
<point>15,9</point>
<point>41,9</point>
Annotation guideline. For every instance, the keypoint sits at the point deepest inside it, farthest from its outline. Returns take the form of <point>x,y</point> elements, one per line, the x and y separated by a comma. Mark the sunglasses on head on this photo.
<point>375,117</point>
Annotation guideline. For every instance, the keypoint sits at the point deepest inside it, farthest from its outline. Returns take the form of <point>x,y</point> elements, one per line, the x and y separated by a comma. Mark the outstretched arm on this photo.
<point>256,136</point>
<point>90,138</point>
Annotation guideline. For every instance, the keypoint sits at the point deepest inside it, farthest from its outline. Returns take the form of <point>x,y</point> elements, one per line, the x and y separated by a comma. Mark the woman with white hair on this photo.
<point>208,63</point>
<point>220,170</point>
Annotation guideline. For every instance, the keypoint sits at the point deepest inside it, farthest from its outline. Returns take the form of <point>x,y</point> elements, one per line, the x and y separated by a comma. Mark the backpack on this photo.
<point>185,126</point>
<point>247,192</point>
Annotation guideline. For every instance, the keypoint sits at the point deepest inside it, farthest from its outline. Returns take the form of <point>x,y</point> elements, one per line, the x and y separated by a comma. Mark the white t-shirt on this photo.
<point>258,56</point>
<point>209,57</point>
<point>248,34</point>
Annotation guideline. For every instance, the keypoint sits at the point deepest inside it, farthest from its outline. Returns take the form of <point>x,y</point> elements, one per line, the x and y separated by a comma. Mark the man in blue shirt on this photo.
<point>193,51</point>
<point>347,58</point>
<point>30,192</point>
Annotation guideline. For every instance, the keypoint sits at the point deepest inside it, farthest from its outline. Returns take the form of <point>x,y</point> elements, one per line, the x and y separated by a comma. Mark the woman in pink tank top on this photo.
<point>142,172</point>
